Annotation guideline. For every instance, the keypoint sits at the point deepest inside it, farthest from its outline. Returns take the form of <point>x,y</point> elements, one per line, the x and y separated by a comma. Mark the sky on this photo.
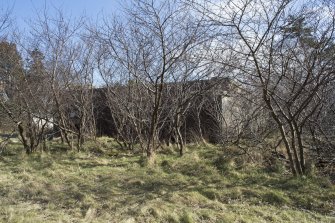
<point>23,10</point>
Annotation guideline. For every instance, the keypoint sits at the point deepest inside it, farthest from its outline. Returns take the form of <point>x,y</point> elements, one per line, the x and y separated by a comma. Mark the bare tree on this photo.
<point>59,40</point>
<point>280,49</point>
<point>143,54</point>
<point>26,101</point>
<point>5,21</point>
<point>82,94</point>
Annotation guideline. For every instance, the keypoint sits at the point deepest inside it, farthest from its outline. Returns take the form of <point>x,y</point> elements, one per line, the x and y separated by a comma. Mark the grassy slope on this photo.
<point>203,186</point>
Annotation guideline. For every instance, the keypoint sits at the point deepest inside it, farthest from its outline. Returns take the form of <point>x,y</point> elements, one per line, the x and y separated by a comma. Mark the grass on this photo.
<point>106,184</point>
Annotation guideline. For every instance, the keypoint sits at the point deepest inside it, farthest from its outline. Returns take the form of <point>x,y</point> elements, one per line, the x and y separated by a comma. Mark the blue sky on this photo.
<point>23,10</point>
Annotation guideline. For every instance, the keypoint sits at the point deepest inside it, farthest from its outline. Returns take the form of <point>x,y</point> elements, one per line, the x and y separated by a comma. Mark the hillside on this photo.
<point>104,184</point>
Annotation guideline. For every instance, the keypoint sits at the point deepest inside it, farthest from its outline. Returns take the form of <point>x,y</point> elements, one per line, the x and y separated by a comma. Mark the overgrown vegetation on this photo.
<point>105,184</point>
<point>176,72</point>
<point>256,78</point>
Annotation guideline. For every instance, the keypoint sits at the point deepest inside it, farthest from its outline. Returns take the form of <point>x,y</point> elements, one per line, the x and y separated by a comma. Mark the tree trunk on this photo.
<point>180,141</point>
<point>282,131</point>
<point>179,136</point>
<point>152,140</point>
<point>293,147</point>
<point>23,138</point>
<point>301,149</point>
